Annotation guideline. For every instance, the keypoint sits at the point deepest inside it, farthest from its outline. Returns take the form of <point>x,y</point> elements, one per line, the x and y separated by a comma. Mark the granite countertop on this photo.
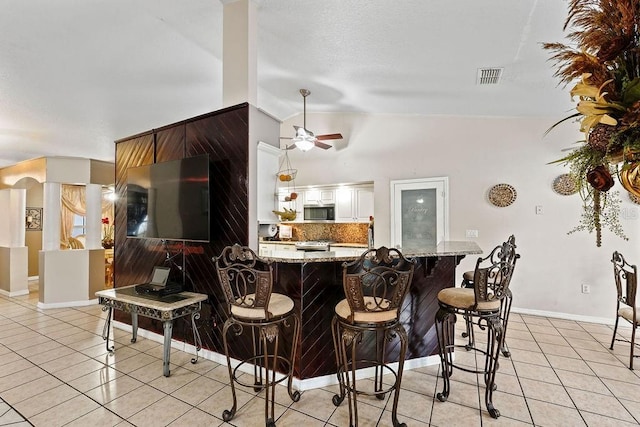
<point>446,248</point>
<point>293,242</point>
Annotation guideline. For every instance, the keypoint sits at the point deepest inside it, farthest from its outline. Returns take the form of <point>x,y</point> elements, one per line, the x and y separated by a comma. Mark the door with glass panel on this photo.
<point>419,212</point>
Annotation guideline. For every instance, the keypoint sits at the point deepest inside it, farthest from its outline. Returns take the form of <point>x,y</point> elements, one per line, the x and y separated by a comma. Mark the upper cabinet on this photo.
<point>317,196</point>
<point>354,204</point>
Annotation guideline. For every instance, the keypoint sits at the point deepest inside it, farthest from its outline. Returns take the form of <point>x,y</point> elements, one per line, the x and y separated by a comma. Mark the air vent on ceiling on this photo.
<point>489,76</point>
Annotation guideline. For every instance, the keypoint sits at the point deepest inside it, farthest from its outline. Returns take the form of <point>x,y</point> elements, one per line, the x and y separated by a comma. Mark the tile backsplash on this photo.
<point>337,232</point>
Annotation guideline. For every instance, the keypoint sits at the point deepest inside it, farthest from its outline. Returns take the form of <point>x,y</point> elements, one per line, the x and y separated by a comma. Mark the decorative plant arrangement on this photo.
<point>107,234</point>
<point>605,60</point>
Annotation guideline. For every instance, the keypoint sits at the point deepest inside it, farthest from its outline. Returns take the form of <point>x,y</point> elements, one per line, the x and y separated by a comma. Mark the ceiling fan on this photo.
<point>305,140</point>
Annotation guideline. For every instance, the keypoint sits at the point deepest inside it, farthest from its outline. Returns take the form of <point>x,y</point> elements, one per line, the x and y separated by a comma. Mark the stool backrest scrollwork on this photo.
<point>493,273</point>
<point>246,279</point>
<point>626,280</point>
<point>377,281</point>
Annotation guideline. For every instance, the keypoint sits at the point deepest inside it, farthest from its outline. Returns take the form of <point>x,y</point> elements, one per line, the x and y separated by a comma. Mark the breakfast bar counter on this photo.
<point>314,281</point>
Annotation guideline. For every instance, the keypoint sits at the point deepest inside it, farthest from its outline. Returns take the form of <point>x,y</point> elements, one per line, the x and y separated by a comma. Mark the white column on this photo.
<point>17,209</point>
<point>51,216</point>
<point>93,224</point>
<point>239,53</point>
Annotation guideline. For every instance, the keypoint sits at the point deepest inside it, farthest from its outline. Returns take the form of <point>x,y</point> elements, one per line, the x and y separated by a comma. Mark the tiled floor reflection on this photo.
<point>54,371</point>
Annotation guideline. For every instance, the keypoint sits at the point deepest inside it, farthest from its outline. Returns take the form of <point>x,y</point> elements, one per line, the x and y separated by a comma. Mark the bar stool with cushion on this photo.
<point>626,280</point>
<point>481,305</point>
<point>247,283</point>
<point>505,308</point>
<point>368,320</point>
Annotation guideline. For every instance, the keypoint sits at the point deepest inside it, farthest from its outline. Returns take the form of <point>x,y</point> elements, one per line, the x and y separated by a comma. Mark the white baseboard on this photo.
<point>565,316</point>
<point>67,304</point>
<point>14,293</point>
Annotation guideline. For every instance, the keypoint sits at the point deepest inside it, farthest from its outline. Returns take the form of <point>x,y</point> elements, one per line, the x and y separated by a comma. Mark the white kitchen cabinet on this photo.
<point>287,247</point>
<point>320,196</point>
<point>266,249</point>
<point>347,251</point>
<point>354,204</point>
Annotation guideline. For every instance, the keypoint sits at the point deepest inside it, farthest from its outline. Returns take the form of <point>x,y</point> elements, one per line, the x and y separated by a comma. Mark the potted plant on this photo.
<point>107,234</point>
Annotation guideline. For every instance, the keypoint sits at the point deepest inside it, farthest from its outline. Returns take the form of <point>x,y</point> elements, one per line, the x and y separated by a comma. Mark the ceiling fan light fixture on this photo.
<point>304,143</point>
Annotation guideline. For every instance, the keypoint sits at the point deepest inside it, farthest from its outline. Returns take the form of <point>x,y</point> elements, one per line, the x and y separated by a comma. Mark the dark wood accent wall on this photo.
<point>224,136</point>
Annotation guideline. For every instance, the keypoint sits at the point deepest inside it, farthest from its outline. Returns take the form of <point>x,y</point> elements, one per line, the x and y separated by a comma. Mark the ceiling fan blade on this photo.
<point>329,136</point>
<point>322,145</point>
<point>290,147</point>
<point>286,137</point>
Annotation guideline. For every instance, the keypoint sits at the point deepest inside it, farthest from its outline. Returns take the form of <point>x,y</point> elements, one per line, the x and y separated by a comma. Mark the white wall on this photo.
<point>477,153</point>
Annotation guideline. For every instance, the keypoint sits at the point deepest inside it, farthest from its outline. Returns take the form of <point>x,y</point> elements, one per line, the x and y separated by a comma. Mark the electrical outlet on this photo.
<point>539,210</point>
<point>586,289</point>
<point>472,233</point>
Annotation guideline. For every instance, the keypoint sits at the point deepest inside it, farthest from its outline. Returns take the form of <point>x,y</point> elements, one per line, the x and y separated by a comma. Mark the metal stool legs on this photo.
<point>445,321</point>
<point>346,339</point>
<point>266,342</point>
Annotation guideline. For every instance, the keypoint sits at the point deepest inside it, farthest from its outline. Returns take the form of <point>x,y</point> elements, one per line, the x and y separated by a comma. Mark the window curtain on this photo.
<point>74,202</point>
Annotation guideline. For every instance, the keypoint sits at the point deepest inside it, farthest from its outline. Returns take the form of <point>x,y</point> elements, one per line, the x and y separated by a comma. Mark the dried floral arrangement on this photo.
<point>605,60</point>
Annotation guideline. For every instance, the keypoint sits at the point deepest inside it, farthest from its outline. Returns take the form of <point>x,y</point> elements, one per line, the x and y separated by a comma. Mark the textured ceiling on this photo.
<point>77,75</point>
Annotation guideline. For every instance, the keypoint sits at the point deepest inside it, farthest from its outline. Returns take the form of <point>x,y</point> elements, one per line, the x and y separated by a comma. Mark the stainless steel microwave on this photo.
<point>319,213</point>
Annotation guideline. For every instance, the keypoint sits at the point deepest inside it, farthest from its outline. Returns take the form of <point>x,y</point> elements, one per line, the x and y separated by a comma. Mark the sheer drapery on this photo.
<point>73,202</point>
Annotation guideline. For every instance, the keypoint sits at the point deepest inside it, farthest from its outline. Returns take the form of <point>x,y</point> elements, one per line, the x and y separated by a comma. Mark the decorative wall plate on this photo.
<point>502,195</point>
<point>565,185</point>
<point>635,199</point>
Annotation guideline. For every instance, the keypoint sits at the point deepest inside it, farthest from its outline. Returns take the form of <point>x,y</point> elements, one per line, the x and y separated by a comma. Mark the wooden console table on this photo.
<point>165,309</point>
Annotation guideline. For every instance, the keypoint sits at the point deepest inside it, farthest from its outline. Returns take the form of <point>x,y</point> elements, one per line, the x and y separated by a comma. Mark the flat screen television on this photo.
<point>169,200</point>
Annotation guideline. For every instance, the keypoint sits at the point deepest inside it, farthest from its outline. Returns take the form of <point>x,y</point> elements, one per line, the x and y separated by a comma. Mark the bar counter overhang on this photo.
<point>314,281</point>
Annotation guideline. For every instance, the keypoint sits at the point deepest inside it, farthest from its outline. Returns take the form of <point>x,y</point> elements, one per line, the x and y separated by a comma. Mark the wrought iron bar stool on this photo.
<point>626,279</point>
<point>481,305</point>
<point>505,308</point>
<point>247,283</point>
<point>368,320</point>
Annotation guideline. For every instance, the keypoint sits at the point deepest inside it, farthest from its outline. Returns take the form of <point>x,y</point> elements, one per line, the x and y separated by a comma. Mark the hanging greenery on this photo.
<point>605,58</point>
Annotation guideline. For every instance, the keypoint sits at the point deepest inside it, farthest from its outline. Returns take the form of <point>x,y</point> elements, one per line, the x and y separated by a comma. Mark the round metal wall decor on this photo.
<point>565,185</point>
<point>635,199</point>
<point>502,195</point>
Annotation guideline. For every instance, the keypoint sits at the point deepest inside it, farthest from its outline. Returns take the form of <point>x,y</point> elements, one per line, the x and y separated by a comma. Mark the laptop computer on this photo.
<point>157,283</point>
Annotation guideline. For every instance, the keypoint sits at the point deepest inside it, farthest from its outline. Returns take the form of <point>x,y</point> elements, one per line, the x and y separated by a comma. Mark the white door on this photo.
<point>419,212</point>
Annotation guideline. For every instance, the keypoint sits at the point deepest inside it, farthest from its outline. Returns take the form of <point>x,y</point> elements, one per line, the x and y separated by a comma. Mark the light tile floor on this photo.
<point>55,371</point>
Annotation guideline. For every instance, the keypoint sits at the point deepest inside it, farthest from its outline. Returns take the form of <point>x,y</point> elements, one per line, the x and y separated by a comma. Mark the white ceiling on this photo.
<point>75,75</point>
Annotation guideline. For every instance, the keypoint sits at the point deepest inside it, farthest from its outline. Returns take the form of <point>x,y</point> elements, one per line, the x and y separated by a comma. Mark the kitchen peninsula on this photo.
<point>314,281</point>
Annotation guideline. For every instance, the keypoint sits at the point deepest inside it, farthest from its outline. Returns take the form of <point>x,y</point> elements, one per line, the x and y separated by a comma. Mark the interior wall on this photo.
<point>477,153</point>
